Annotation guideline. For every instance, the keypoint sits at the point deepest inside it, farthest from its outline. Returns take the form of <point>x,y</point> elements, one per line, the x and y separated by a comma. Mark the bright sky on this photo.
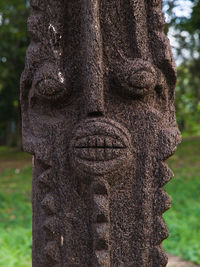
<point>183,9</point>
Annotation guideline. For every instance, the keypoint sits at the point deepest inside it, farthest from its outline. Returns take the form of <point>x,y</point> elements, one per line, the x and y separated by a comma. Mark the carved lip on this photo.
<point>99,145</point>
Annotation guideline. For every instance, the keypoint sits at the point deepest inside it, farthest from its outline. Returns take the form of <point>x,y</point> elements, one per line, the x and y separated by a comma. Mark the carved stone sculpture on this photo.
<point>97,97</point>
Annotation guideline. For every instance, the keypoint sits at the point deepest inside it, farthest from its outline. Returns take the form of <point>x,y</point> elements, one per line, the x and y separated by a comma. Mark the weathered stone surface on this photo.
<point>97,97</point>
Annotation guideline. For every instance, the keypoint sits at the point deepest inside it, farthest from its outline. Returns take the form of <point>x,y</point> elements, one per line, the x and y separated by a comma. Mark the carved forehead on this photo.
<point>123,21</point>
<point>127,30</point>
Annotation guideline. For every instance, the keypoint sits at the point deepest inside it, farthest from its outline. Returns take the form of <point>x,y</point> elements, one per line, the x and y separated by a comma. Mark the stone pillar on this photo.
<point>97,97</point>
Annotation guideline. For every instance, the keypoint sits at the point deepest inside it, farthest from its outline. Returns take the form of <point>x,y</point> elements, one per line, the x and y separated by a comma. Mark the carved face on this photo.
<point>91,92</point>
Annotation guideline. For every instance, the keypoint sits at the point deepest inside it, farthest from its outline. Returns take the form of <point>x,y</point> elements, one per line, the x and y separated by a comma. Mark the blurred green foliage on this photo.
<point>12,154</point>
<point>188,98</point>
<point>13,45</point>
<point>183,218</point>
<point>15,218</point>
<point>186,31</point>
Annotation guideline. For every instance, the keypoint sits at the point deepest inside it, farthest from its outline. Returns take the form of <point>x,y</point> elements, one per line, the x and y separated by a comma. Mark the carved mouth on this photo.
<point>99,146</point>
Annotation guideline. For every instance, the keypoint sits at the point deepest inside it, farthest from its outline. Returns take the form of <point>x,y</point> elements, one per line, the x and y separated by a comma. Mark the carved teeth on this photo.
<point>99,148</point>
<point>90,141</point>
<point>117,143</point>
<point>97,154</point>
<point>99,142</point>
<point>108,142</point>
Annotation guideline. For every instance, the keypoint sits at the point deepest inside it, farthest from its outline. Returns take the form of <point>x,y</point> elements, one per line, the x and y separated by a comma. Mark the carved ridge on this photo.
<point>157,37</point>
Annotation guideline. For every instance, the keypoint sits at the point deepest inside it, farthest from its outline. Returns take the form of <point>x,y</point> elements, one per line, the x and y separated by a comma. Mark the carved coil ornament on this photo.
<point>97,97</point>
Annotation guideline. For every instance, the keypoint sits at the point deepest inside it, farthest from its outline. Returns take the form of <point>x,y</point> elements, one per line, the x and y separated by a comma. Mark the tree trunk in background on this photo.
<point>98,114</point>
<point>11,133</point>
<point>19,130</point>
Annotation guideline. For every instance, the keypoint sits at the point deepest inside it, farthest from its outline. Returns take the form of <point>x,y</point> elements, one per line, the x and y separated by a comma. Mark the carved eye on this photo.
<point>135,78</point>
<point>49,87</point>
<point>49,84</point>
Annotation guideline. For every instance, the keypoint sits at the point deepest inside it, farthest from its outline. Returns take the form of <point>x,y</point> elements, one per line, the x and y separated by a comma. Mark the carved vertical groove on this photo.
<point>168,138</point>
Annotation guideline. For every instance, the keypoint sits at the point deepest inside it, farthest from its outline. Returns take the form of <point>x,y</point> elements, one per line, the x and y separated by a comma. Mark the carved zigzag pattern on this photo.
<point>50,226</point>
<point>101,223</point>
<point>39,50</point>
<point>161,201</point>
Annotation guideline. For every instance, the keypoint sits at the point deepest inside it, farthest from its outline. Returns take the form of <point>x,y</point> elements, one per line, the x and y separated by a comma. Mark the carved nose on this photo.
<point>93,64</point>
<point>95,102</point>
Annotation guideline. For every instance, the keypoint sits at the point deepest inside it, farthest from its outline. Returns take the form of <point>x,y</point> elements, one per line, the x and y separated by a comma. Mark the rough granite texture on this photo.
<point>97,97</point>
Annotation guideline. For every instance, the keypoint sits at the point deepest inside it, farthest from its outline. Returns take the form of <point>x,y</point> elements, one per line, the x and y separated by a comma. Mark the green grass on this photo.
<point>183,218</point>
<point>15,218</point>
<point>10,153</point>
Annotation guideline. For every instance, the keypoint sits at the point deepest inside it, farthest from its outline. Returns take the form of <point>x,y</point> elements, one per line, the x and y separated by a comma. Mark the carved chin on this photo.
<point>100,146</point>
